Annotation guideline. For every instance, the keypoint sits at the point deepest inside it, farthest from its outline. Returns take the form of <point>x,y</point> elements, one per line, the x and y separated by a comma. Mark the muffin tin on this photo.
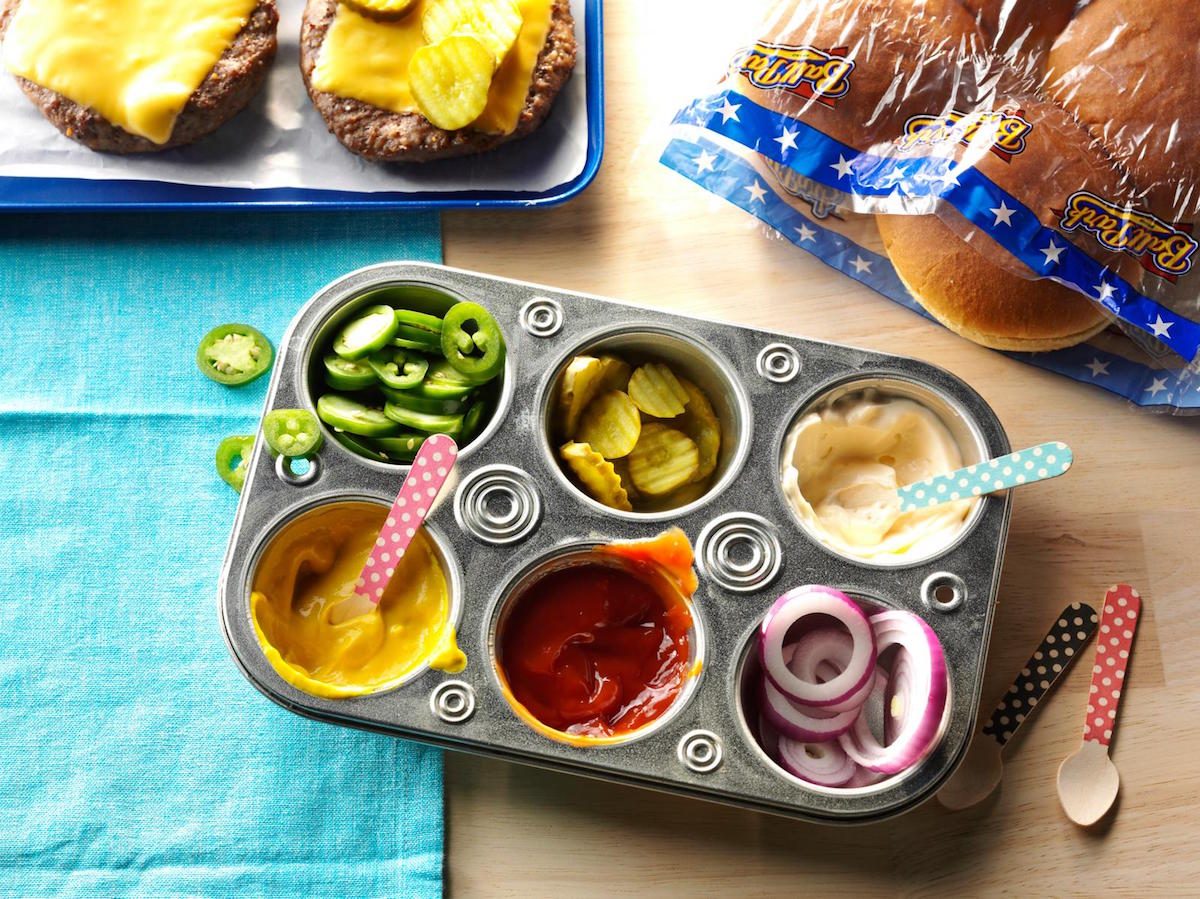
<point>510,511</point>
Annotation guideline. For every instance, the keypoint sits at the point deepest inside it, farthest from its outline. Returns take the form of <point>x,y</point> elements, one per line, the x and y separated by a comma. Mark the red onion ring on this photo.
<point>801,723</point>
<point>918,723</point>
<point>820,656</point>
<point>816,600</point>
<point>768,738</point>
<point>823,764</point>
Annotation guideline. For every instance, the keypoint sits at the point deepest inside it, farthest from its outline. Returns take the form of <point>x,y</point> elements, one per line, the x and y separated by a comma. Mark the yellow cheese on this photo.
<point>135,62</point>
<point>367,59</point>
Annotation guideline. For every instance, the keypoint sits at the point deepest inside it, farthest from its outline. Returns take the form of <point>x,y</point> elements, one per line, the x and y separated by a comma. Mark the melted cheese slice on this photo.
<point>367,59</point>
<point>135,62</point>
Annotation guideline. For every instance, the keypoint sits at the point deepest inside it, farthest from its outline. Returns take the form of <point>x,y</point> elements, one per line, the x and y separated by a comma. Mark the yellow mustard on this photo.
<point>136,62</point>
<point>311,569</point>
<point>367,59</point>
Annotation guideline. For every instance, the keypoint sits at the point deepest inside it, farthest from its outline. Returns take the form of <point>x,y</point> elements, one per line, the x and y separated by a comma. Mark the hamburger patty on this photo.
<point>385,136</point>
<point>237,76</point>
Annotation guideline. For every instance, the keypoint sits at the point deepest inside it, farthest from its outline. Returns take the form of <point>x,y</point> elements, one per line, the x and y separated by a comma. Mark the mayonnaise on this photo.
<point>843,463</point>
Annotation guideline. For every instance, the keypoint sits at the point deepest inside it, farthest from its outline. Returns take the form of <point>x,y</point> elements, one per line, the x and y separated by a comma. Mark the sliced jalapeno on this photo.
<point>444,382</point>
<point>233,459</point>
<point>234,354</point>
<point>398,369</point>
<point>401,448</point>
<point>292,432</point>
<point>339,411</point>
<point>473,419</point>
<point>366,333</point>
<point>358,445</point>
<point>410,338</point>
<point>416,402</point>
<point>427,422</point>
<point>419,320</point>
<point>348,374</point>
<point>472,343</point>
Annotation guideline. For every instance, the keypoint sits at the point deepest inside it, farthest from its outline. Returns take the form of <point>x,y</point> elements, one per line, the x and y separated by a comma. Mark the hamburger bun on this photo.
<point>236,78</point>
<point>910,57</point>
<point>1130,71</point>
<point>1022,30</point>
<point>980,301</point>
<point>976,287</point>
<point>381,135</point>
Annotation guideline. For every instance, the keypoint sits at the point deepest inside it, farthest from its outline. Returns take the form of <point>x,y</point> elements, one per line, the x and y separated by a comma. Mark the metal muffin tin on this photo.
<point>512,508</point>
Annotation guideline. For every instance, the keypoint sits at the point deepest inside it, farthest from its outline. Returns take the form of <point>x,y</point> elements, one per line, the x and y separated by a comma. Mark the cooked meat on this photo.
<point>235,79</point>
<point>386,136</point>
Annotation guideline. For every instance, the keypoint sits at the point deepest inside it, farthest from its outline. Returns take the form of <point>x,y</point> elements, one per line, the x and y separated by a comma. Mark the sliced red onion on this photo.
<point>824,764</point>
<point>863,777</point>
<point>768,738</point>
<point>801,723</point>
<point>816,600</point>
<point>827,669</point>
<point>922,692</point>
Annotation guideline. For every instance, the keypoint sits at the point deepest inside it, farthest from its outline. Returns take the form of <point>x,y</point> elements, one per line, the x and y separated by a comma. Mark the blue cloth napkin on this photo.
<point>136,759</point>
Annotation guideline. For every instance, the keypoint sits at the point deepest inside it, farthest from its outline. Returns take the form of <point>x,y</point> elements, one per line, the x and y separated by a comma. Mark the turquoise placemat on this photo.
<point>137,760</point>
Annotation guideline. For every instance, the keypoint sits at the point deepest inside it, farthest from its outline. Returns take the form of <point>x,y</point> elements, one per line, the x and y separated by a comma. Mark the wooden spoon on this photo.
<point>1088,781</point>
<point>982,767</point>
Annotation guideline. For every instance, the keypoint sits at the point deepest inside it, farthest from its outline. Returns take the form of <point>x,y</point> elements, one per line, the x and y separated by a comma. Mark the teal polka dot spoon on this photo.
<point>1027,466</point>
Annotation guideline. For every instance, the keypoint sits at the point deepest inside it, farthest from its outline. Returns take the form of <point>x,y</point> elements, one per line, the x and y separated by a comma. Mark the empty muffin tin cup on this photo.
<point>274,551</point>
<point>748,678</point>
<point>689,358</point>
<point>587,555</point>
<point>402,294</point>
<point>929,543</point>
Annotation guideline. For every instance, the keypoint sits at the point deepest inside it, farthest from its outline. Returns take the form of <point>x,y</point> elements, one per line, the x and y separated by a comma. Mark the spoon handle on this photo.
<point>1118,624</point>
<point>1037,463</point>
<point>1054,655</point>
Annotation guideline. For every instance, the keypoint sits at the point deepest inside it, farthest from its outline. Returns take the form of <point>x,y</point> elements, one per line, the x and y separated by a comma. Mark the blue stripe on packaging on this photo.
<point>726,174</point>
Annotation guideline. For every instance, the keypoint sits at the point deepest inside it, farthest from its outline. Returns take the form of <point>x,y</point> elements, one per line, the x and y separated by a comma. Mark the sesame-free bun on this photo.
<point>909,58</point>
<point>1130,71</point>
<point>1022,30</point>
<point>982,302</point>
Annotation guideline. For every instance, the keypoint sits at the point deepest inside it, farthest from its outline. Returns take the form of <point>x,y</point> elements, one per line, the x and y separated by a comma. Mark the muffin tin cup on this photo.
<point>512,508</point>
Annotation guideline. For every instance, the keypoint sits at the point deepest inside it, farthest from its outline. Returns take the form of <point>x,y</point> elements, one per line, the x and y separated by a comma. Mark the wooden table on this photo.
<point>1130,510</point>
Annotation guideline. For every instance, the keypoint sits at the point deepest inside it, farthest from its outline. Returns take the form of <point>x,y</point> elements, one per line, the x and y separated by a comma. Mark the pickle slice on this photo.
<point>657,391</point>
<point>494,23</point>
<point>663,459</point>
<point>611,424</point>
<point>584,379</point>
<point>384,10</point>
<point>450,80</point>
<point>700,422</point>
<point>596,474</point>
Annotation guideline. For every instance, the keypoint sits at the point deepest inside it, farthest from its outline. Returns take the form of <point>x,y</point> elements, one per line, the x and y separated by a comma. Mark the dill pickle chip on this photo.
<point>611,424</point>
<point>621,467</point>
<point>700,422</point>
<point>585,378</point>
<point>680,496</point>
<point>596,474</point>
<point>450,80</point>
<point>494,23</point>
<point>385,10</point>
<point>657,391</point>
<point>663,459</point>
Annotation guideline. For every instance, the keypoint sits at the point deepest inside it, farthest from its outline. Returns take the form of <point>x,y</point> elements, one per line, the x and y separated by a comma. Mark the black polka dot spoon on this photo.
<point>1088,781</point>
<point>981,769</point>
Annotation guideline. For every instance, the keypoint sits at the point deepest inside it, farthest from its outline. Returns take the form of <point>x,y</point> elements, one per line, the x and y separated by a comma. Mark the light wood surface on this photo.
<point>1129,510</point>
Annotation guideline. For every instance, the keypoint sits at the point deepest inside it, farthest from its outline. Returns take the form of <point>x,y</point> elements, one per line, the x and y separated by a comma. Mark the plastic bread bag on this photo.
<point>1026,172</point>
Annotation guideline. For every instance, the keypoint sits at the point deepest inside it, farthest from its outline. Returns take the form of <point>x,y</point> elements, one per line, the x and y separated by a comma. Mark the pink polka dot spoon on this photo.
<point>429,472</point>
<point>1088,781</point>
<point>981,769</point>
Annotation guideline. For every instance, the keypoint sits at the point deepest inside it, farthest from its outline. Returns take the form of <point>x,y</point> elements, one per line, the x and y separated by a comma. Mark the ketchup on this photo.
<point>595,649</point>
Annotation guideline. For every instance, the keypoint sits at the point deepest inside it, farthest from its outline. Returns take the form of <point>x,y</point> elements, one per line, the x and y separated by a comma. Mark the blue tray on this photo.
<point>86,194</point>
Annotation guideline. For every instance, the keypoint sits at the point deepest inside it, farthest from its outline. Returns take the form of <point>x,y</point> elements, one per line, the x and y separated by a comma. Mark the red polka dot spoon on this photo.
<point>429,472</point>
<point>1087,779</point>
<point>981,769</point>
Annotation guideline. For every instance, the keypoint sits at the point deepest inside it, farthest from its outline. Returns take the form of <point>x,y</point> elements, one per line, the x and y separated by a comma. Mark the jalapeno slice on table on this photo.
<point>346,414</point>
<point>234,354</point>
<point>233,459</point>
<point>292,432</point>
<point>367,332</point>
<point>472,343</point>
<point>348,374</point>
<point>398,369</point>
